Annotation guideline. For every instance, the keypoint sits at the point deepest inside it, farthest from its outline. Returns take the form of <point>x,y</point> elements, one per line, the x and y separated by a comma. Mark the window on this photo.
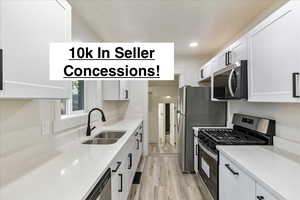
<point>76,104</point>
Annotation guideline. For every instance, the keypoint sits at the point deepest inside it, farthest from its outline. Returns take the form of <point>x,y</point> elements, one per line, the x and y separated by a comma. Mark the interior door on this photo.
<point>172,124</point>
<point>162,123</point>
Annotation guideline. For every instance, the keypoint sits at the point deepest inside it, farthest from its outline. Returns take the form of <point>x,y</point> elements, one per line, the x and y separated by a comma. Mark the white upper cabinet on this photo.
<point>239,51</point>
<point>28,28</point>
<point>274,58</point>
<point>220,60</point>
<point>115,90</point>
<point>205,71</point>
<point>124,90</point>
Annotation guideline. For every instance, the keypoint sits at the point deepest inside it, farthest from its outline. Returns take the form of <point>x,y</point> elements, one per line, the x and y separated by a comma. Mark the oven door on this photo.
<point>208,169</point>
<point>231,82</point>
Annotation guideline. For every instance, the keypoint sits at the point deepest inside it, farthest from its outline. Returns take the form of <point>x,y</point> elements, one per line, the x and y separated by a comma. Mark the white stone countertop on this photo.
<point>72,173</point>
<point>276,170</point>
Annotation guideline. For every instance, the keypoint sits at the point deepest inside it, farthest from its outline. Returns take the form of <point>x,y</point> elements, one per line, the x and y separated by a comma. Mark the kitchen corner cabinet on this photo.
<point>115,90</point>
<point>274,59</point>
<point>234,184</point>
<point>28,28</point>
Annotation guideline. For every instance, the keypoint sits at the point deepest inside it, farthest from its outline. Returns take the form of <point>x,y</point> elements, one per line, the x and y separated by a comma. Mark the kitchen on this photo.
<point>249,82</point>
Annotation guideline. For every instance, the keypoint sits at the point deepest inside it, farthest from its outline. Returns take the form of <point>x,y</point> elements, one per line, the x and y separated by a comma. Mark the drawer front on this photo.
<point>263,194</point>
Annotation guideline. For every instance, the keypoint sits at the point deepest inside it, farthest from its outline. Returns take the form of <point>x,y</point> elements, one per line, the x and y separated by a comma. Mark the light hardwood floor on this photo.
<point>158,149</point>
<point>162,180</point>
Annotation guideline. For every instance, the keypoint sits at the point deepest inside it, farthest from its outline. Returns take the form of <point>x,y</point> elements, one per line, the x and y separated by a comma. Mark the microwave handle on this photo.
<point>230,84</point>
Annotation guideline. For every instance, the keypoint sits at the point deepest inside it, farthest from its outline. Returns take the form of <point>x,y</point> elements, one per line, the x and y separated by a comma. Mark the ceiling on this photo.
<point>211,23</point>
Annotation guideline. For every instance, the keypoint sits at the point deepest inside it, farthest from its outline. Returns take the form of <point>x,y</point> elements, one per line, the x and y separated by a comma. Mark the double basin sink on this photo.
<point>106,137</point>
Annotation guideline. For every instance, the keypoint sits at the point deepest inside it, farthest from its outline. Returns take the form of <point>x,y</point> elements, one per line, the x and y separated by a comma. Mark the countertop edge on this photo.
<point>251,174</point>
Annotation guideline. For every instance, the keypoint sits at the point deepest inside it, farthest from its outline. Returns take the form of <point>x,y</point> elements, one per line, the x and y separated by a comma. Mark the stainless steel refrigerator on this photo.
<point>195,108</point>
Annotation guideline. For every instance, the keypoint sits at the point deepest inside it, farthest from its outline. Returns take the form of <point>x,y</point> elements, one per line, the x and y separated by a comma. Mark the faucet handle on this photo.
<point>93,128</point>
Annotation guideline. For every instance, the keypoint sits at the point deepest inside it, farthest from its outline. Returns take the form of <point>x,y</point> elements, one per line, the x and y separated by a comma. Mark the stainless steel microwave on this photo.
<point>231,82</point>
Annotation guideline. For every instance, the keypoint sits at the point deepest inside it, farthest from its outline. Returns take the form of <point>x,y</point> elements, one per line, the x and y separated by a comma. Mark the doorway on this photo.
<point>167,127</point>
<point>163,102</point>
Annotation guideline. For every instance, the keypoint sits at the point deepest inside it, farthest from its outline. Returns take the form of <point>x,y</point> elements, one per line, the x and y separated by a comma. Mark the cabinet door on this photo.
<point>239,51</point>
<point>234,184</point>
<point>124,90</point>
<point>29,28</point>
<point>111,90</point>
<point>115,185</point>
<point>221,60</point>
<point>274,48</point>
<point>130,170</point>
<point>263,194</point>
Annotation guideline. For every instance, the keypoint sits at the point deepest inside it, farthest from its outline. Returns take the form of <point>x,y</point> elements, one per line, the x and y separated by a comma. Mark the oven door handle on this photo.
<point>229,82</point>
<point>214,156</point>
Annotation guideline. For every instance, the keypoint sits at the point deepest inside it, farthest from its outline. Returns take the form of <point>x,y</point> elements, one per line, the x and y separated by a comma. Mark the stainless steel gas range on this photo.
<point>247,130</point>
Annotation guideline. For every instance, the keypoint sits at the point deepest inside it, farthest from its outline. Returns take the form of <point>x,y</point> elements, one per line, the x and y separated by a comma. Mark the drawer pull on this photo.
<point>231,170</point>
<point>138,144</point>
<point>1,70</point>
<point>295,85</point>
<point>121,183</point>
<point>130,160</point>
<point>118,166</point>
<point>260,197</point>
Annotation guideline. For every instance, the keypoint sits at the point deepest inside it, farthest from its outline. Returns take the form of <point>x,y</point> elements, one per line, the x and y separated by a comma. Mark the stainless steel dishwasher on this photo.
<point>102,190</point>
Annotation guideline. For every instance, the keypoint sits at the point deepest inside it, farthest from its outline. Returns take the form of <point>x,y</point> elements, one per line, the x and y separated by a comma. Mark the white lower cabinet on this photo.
<point>234,184</point>
<point>263,194</point>
<point>125,165</point>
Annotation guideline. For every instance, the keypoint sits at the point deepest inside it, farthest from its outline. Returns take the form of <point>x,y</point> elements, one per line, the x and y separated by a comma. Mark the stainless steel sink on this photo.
<point>101,141</point>
<point>110,134</point>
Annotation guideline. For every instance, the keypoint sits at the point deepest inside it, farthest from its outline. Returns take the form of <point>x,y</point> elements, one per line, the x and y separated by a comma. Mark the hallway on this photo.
<point>163,180</point>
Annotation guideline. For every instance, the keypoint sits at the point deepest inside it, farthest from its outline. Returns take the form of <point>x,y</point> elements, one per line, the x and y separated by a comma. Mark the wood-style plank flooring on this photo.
<point>162,179</point>
<point>161,149</point>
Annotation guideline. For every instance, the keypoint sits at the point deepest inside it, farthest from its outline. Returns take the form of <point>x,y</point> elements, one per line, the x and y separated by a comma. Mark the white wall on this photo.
<point>287,116</point>
<point>189,68</point>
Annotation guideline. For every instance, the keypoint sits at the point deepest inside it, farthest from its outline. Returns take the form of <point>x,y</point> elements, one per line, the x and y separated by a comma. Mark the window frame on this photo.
<point>69,105</point>
<point>77,120</point>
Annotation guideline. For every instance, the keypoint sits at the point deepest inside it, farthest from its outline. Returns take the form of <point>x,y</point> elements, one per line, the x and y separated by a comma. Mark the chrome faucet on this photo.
<point>89,129</point>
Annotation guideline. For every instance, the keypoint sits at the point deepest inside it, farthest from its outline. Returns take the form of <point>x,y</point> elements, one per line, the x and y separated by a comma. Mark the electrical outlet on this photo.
<point>47,127</point>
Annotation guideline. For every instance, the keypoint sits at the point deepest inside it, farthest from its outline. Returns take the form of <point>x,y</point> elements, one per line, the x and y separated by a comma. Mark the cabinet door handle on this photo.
<point>260,197</point>
<point>126,94</point>
<point>138,144</point>
<point>118,166</point>
<point>231,170</point>
<point>130,160</point>
<point>229,55</point>
<point>296,85</point>
<point>141,137</point>
<point>226,59</point>
<point>1,70</point>
<point>196,150</point>
<point>121,183</point>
